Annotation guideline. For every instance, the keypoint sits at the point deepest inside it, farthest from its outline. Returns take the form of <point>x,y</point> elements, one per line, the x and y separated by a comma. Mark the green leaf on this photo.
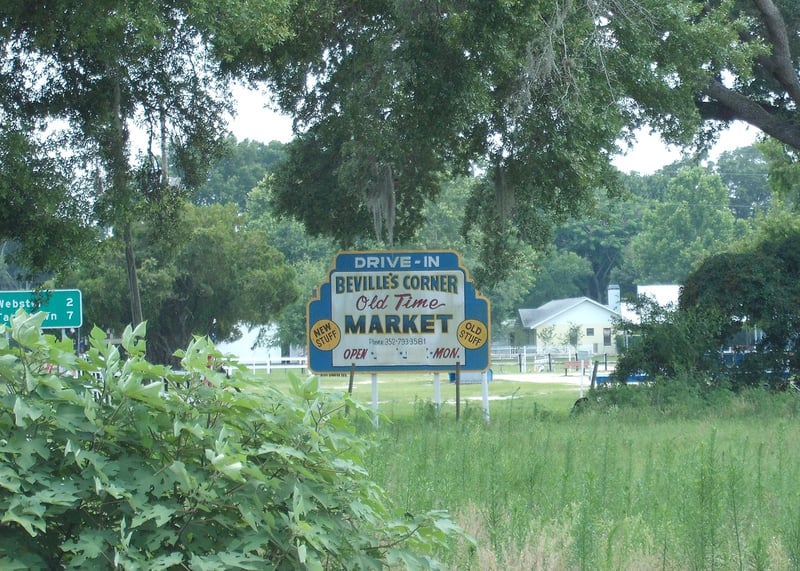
<point>27,513</point>
<point>72,418</point>
<point>284,451</point>
<point>9,479</point>
<point>194,429</point>
<point>59,493</point>
<point>229,465</point>
<point>111,489</point>
<point>179,469</point>
<point>307,388</point>
<point>168,561</point>
<point>90,545</point>
<point>133,341</point>
<point>446,526</point>
<point>27,451</point>
<point>26,329</point>
<point>160,513</point>
<point>363,511</point>
<point>136,389</point>
<point>24,413</point>
<point>227,560</point>
<point>8,367</point>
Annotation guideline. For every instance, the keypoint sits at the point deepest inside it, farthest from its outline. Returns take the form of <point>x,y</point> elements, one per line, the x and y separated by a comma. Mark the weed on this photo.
<point>639,489</point>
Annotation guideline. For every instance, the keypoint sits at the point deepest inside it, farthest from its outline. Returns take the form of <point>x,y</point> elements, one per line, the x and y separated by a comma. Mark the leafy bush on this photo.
<point>670,343</point>
<point>111,462</point>
<point>756,287</point>
<point>683,397</point>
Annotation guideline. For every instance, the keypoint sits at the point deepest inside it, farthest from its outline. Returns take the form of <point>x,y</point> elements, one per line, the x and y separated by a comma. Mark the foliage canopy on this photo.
<point>391,97</point>
<point>131,97</point>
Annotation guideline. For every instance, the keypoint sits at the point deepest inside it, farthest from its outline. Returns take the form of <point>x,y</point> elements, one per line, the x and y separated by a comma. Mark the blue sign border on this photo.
<point>475,306</point>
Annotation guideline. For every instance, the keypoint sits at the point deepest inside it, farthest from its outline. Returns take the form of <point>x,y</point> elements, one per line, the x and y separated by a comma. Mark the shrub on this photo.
<point>109,461</point>
<point>756,287</point>
<point>683,397</point>
<point>670,343</point>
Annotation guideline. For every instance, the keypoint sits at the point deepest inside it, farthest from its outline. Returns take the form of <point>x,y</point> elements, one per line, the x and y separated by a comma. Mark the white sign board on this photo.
<point>381,311</point>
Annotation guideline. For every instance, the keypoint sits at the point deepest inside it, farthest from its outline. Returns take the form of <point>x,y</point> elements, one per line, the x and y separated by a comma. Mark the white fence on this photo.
<point>525,359</point>
<point>281,363</point>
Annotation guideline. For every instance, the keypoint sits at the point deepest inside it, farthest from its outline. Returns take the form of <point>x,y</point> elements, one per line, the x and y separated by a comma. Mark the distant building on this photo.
<point>247,351</point>
<point>549,326</point>
<point>662,294</point>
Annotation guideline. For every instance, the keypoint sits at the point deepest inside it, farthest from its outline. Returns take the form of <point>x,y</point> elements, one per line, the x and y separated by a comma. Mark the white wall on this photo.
<point>242,348</point>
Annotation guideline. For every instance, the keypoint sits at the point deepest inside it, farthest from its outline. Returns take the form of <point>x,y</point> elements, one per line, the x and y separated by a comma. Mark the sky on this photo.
<point>650,153</point>
<point>255,121</point>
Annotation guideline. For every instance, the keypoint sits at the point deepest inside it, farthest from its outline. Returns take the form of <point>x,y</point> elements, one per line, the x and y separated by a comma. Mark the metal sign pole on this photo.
<point>458,390</point>
<point>375,398</point>
<point>485,394</point>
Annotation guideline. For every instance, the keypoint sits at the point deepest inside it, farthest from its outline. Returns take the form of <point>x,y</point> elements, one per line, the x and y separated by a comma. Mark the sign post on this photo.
<point>64,307</point>
<point>396,311</point>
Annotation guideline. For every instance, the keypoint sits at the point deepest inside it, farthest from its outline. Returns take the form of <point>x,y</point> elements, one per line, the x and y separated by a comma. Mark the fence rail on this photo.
<point>282,363</point>
<point>524,359</point>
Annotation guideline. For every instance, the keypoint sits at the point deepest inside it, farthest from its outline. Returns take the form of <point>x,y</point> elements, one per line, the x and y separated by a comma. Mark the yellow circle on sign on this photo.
<point>472,333</point>
<point>325,335</point>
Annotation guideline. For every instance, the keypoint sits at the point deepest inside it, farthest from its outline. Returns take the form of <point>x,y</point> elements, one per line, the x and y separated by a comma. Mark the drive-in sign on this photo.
<point>383,311</point>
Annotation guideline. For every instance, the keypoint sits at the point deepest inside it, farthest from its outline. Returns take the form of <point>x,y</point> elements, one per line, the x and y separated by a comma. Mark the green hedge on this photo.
<point>110,462</point>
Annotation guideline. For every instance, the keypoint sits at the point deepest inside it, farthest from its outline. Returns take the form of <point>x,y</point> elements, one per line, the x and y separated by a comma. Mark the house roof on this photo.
<point>550,311</point>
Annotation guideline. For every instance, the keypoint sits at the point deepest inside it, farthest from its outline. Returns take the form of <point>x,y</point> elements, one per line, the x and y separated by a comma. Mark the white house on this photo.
<point>245,348</point>
<point>550,324</point>
<point>662,294</point>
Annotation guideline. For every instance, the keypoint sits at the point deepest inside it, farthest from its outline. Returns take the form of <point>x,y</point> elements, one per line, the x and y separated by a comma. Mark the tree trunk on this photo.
<point>133,279</point>
<point>118,166</point>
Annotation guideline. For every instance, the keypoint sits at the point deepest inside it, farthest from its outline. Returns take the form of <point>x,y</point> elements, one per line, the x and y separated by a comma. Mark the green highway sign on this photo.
<point>63,307</point>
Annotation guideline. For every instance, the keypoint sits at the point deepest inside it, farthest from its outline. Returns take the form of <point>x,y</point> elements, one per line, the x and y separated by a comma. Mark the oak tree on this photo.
<point>136,91</point>
<point>388,98</point>
<point>216,276</point>
<point>690,67</point>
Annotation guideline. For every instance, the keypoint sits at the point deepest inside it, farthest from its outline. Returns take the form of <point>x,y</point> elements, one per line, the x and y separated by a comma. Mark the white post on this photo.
<point>375,398</point>
<point>583,371</point>
<point>437,390</point>
<point>485,394</point>
<point>524,358</point>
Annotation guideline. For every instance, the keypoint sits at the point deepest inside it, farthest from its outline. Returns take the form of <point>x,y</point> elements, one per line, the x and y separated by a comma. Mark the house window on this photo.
<point>590,331</point>
<point>607,336</point>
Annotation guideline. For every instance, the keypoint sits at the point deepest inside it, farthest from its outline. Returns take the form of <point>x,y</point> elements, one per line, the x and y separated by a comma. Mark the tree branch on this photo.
<point>731,105</point>
<point>782,68</point>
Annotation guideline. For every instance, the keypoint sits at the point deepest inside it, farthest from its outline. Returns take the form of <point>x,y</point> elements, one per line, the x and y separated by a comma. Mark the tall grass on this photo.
<point>711,487</point>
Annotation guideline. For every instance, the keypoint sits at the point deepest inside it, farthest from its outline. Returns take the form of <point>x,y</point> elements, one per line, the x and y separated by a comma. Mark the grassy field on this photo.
<point>400,395</point>
<point>675,488</point>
